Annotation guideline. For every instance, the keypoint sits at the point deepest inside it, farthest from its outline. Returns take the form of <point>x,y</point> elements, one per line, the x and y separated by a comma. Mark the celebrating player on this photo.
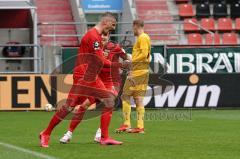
<point>137,80</point>
<point>111,79</point>
<point>87,85</point>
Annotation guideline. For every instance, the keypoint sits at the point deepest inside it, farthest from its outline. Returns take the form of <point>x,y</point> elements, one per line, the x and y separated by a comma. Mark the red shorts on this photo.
<point>111,87</point>
<point>82,90</point>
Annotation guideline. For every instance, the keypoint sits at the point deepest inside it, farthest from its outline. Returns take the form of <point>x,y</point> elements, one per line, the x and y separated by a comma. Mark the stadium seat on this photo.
<point>224,24</point>
<point>231,1</point>
<point>202,10</point>
<point>216,1</point>
<point>199,1</point>
<point>212,39</point>
<point>235,10</point>
<point>237,24</point>
<point>229,39</point>
<point>220,10</point>
<point>189,27</point>
<point>186,10</point>
<point>208,23</point>
<point>182,1</point>
<point>194,39</point>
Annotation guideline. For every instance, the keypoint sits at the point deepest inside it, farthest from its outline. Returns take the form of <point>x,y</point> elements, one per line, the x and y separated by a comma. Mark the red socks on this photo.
<point>105,121</point>
<point>77,118</point>
<point>56,119</point>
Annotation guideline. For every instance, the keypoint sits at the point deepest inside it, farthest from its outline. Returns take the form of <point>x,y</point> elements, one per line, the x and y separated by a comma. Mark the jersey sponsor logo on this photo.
<point>96,45</point>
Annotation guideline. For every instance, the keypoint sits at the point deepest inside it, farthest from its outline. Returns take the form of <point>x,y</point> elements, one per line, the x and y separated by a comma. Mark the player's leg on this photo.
<point>140,115</point>
<point>56,119</point>
<point>126,114</point>
<point>126,108</point>
<point>106,117</point>
<point>105,122</point>
<point>60,114</point>
<point>115,89</point>
<point>138,95</point>
<point>139,92</point>
<point>78,114</point>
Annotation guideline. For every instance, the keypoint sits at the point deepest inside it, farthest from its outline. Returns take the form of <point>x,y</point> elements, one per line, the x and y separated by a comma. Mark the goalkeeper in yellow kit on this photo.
<point>137,80</point>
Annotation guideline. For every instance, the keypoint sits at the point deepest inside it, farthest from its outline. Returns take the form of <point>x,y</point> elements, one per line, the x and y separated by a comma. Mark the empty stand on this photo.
<point>186,10</point>
<point>195,39</point>
<point>231,1</point>
<point>224,24</point>
<point>189,25</point>
<point>229,39</point>
<point>157,10</point>
<point>198,1</point>
<point>216,1</point>
<point>202,10</point>
<point>211,39</point>
<point>235,10</point>
<point>237,24</point>
<point>220,10</point>
<point>182,1</point>
<point>221,17</point>
<point>56,11</point>
<point>208,23</point>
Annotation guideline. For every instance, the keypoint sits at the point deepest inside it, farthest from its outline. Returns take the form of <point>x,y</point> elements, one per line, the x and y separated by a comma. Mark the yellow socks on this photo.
<point>126,109</point>
<point>140,116</point>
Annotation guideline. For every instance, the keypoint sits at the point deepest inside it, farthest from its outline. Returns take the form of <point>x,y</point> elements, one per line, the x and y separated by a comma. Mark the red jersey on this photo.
<point>111,75</point>
<point>90,54</point>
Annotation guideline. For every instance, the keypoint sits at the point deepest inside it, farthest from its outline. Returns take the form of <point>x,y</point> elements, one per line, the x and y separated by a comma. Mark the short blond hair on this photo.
<point>138,23</point>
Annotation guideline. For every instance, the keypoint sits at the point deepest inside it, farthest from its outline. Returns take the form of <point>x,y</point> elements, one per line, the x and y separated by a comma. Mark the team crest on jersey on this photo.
<point>96,45</point>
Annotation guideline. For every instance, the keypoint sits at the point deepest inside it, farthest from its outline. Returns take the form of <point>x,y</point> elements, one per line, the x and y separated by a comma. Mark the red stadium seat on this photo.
<point>229,39</point>
<point>211,39</point>
<point>189,27</point>
<point>208,23</point>
<point>225,24</point>
<point>237,24</point>
<point>194,39</point>
<point>186,10</point>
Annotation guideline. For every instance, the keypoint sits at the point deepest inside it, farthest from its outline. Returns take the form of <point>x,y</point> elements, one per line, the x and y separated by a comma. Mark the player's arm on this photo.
<point>98,51</point>
<point>124,56</point>
<point>122,53</point>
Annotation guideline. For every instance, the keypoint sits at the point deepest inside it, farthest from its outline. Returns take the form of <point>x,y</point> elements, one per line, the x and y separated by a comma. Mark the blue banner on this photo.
<point>102,5</point>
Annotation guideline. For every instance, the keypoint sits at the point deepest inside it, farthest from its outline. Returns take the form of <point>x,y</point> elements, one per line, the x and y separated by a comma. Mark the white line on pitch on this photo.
<point>37,154</point>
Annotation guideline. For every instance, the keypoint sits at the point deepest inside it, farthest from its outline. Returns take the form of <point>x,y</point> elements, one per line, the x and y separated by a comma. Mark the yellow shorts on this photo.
<point>137,90</point>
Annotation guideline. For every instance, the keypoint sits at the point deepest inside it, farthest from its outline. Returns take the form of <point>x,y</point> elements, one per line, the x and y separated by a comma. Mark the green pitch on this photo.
<point>170,134</point>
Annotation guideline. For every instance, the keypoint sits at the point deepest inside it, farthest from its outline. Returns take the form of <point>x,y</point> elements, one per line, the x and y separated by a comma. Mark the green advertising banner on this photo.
<point>203,60</point>
<point>179,59</point>
<point>68,59</point>
<point>69,56</point>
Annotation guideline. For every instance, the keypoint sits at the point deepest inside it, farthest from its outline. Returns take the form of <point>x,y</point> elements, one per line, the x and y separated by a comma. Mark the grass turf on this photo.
<point>170,134</point>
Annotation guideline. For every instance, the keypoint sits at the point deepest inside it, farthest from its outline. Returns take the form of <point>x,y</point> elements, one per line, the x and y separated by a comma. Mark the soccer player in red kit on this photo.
<point>87,85</point>
<point>111,79</point>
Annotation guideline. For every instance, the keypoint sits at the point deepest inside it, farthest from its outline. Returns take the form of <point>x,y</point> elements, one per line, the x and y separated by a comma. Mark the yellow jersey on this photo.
<point>141,55</point>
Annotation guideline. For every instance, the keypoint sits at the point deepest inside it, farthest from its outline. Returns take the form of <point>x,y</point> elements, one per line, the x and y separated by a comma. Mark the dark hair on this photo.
<point>138,23</point>
<point>108,15</point>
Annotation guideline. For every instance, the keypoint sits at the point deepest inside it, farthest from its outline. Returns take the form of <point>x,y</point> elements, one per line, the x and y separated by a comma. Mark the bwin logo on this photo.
<point>185,95</point>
